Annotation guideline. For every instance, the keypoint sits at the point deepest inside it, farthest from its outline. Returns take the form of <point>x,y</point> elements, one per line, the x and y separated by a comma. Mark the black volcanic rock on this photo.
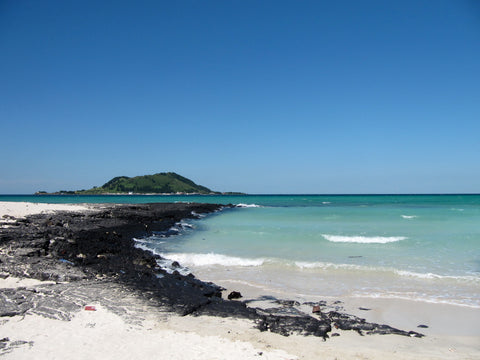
<point>234,295</point>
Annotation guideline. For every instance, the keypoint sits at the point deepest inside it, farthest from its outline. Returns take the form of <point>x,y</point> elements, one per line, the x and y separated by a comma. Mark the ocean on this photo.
<point>417,247</point>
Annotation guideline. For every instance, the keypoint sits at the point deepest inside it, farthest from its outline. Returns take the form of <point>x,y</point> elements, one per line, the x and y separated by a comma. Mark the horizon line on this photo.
<point>256,194</point>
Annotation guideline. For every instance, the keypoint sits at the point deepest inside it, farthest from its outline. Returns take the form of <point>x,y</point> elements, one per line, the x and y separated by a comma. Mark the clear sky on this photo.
<point>368,96</point>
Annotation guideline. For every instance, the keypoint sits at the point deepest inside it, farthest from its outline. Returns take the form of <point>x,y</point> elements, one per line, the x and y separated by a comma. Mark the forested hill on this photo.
<point>169,182</point>
<point>161,183</point>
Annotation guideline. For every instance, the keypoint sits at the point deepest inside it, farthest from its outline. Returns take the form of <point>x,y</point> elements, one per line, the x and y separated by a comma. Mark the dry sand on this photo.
<point>22,209</point>
<point>101,334</point>
<point>453,333</point>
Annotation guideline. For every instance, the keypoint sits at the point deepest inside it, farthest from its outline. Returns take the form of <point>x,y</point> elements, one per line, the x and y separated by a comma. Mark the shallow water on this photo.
<point>425,250</point>
<point>421,247</point>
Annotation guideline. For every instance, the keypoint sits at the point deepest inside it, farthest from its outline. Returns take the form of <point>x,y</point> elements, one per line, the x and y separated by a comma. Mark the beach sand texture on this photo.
<point>129,328</point>
<point>22,209</point>
<point>146,333</point>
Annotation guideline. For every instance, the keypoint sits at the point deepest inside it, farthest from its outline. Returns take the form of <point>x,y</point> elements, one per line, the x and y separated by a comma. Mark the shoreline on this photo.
<point>275,276</point>
<point>399,313</point>
<point>101,272</point>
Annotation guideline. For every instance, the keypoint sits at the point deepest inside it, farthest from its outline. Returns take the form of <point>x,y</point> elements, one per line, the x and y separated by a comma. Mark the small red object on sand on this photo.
<point>90,308</point>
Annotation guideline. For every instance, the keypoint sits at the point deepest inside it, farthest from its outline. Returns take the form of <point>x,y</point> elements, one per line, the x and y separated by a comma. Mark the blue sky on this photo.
<point>256,96</point>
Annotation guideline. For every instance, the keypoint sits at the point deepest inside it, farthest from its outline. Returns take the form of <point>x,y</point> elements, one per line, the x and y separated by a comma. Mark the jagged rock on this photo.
<point>234,295</point>
<point>319,303</point>
<point>282,311</point>
<point>288,325</point>
<point>351,322</point>
<point>287,302</point>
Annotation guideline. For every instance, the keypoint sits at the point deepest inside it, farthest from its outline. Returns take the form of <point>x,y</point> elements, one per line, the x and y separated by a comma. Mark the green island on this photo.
<point>161,183</point>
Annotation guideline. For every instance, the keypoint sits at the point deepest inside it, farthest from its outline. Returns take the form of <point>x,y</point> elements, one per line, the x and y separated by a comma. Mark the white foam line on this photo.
<point>435,276</point>
<point>247,206</point>
<point>402,273</point>
<point>363,239</point>
<point>417,299</point>
<point>212,259</point>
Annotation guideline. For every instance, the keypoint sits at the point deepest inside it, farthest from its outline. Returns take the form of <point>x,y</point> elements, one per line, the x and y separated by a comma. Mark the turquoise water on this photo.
<point>419,247</point>
<point>264,200</point>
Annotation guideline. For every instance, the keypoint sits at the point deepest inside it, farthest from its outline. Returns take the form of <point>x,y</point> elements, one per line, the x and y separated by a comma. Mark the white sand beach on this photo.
<point>104,335</point>
<point>453,332</point>
<point>22,209</point>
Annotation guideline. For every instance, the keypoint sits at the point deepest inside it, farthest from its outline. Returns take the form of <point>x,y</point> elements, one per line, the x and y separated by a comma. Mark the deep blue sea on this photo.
<point>418,247</point>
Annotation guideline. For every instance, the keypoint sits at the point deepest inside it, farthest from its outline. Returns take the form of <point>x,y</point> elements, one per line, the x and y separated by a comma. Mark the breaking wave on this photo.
<point>212,259</point>
<point>326,266</point>
<point>363,239</point>
<point>464,278</point>
<point>415,296</point>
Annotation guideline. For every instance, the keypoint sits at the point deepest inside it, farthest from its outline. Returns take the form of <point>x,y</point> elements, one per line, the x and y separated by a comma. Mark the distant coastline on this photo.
<point>167,183</point>
<point>83,192</point>
<point>70,193</point>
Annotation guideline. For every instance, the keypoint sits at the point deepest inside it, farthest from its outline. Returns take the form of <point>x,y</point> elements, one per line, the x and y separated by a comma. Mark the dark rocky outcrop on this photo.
<point>351,322</point>
<point>234,295</point>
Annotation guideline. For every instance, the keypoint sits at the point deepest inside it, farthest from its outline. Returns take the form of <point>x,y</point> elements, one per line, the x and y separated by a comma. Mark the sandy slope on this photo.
<point>22,209</point>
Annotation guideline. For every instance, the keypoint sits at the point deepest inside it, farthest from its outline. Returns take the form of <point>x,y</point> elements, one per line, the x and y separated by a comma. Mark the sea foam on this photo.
<point>247,206</point>
<point>461,278</point>
<point>363,239</point>
<point>327,266</point>
<point>414,296</point>
<point>212,259</point>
